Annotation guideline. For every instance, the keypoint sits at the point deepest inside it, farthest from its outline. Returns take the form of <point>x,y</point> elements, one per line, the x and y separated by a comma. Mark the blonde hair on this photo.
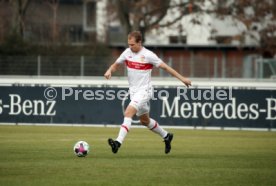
<point>137,35</point>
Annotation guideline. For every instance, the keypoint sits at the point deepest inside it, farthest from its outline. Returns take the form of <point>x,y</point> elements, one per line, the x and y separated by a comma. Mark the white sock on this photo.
<point>155,127</point>
<point>125,127</point>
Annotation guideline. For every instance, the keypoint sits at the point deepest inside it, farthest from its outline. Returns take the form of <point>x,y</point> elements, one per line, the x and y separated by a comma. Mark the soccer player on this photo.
<point>139,62</point>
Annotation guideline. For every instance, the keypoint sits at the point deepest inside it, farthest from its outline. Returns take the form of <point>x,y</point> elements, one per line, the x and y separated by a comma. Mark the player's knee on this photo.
<point>144,121</point>
<point>130,112</point>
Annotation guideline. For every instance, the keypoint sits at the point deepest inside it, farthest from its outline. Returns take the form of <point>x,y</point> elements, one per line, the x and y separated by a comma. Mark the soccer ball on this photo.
<point>81,149</point>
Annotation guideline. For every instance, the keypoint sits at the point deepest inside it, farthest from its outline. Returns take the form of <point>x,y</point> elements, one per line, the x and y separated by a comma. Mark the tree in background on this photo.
<point>54,4</point>
<point>19,8</point>
<point>145,15</point>
<point>259,17</point>
<point>12,26</point>
<point>3,21</point>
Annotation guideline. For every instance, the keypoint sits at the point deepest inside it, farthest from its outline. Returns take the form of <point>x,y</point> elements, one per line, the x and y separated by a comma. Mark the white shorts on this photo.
<point>141,101</point>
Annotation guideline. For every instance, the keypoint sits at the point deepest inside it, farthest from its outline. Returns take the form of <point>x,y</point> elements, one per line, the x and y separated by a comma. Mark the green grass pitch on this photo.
<point>43,155</point>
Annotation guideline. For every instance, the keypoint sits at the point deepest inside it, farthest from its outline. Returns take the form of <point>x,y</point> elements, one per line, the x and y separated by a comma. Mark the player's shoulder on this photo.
<point>148,52</point>
<point>127,50</point>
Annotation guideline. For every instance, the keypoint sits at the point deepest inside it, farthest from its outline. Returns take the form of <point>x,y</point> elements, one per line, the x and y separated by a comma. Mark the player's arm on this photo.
<point>110,70</point>
<point>171,71</point>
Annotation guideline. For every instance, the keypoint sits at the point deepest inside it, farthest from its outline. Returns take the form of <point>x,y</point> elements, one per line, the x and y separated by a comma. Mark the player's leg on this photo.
<point>156,128</point>
<point>124,129</point>
<point>137,99</point>
<point>152,125</point>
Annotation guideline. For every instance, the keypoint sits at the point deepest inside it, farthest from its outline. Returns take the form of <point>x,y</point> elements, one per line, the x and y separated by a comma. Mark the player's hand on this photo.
<point>107,75</point>
<point>187,82</point>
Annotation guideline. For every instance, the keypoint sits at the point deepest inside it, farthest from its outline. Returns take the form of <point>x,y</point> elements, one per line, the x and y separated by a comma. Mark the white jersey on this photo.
<point>139,67</point>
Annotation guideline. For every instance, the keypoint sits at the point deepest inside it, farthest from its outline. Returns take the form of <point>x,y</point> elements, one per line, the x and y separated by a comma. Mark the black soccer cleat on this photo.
<point>168,139</point>
<point>115,145</point>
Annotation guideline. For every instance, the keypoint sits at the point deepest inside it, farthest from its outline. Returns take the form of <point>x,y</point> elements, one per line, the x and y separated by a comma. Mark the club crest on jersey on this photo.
<point>142,58</point>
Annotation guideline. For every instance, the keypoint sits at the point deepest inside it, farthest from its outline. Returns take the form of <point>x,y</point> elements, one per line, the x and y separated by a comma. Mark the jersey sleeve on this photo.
<point>121,59</point>
<point>154,59</point>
